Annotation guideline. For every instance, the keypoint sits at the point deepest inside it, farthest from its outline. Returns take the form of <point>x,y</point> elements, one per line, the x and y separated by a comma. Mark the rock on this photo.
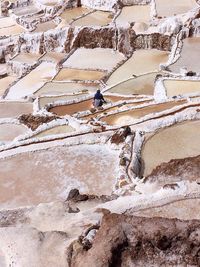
<point>120,135</point>
<point>191,73</point>
<point>171,186</point>
<point>75,196</point>
<point>122,161</point>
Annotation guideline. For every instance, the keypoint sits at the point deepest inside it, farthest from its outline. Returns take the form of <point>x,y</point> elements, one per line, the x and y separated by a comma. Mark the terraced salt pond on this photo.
<point>72,13</point>
<point>56,88</point>
<point>32,81</point>
<point>143,85</point>
<point>53,57</point>
<point>9,109</point>
<point>96,18</point>
<point>137,13</point>
<point>45,26</point>
<point>72,108</point>
<point>55,130</point>
<point>180,209</point>
<point>29,58</point>
<point>105,59</point>
<point>178,7</point>
<point>51,99</point>
<point>176,142</point>
<point>181,87</point>
<point>66,74</point>
<point>5,83</point>
<point>9,131</point>
<point>8,26</point>
<point>141,62</point>
<point>189,56</point>
<point>56,170</point>
<point>128,117</point>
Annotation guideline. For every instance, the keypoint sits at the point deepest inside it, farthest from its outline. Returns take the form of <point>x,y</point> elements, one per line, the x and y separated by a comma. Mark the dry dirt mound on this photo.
<point>135,241</point>
<point>177,170</point>
<point>34,122</point>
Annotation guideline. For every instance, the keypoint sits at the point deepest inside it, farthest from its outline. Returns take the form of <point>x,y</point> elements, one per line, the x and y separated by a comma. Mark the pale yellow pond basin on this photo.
<point>72,13</point>
<point>79,75</point>
<point>181,87</point>
<point>45,26</point>
<point>12,30</point>
<point>43,101</point>
<point>32,178</point>
<point>164,9</point>
<point>128,117</point>
<point>180,209</point>
<point>55,130</point>
<point>189,56</point>
<point>96,58</point>
<point>53,57</point>
<point>56,88</point>
<point>175,142</point>
<point>142,85</point>
<point>72,108</point>
<point>141,62</point>
<point>137,13</point>
<point>97,18</point>
<point>9,131</point>
<point>5,83</point>
<point>9,109</point>
<point>29,58</point>
<point>32,81</point>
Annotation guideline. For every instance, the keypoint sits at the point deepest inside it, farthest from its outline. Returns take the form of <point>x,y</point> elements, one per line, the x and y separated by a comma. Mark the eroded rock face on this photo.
<point>134,241</point>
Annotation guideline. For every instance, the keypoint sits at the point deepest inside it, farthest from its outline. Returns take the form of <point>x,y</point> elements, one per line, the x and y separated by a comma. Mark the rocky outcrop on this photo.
<point>135,241</point>
<point>124,40</point>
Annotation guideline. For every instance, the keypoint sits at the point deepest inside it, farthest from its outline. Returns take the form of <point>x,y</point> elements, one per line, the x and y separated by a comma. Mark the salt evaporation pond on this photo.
<point>26,10</point>
<point>45,26</point>
<point>128,117</point>
<point>29,58</point>
<point>142,85</point>
<point>181,87</point>
<point>175,142</point>
<point>137,13</point>
<point>96,18</point>
<point>9,109</point>
<point>5,83</point>
<point>141,62</point>
<point>55,130</point>
<point>53,57</point>
<point>51,99</point>
<point>105,59</point>
<point>32,81</point>
<point>72,13</point>
<point>71,108</point>
<point>189,56</point>
<point>164,9</point>
<point>8,26</point>
<point>66,74</point>
<point>9,131</point>
<point>180,209</point>
<point>56,88</point>
<point>48,175</point>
